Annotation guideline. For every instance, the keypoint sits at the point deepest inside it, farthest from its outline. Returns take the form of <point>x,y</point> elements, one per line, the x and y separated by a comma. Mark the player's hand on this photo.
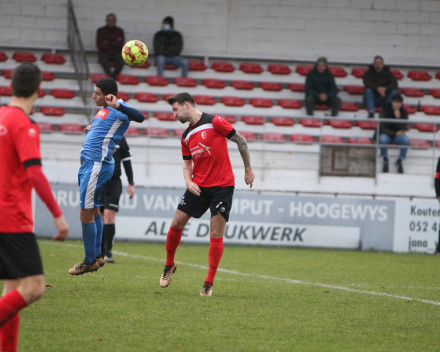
<point>249,176</point>
<point>112,101</point>
<point>130,190</point>
<point>193,188</point>
<point>382,91</point>
<point>323,97</point>
<point>401,132</point>
<point>62,228</point>
<point>87,128</point>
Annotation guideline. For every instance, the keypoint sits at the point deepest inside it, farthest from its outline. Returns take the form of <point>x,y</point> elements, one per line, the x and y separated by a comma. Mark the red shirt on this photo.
<point>206,145</point>
<point>20,147</point>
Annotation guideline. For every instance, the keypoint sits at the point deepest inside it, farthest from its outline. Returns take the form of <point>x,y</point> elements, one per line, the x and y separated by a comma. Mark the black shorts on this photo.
<point>214,198</point>
<point>112,195</point>
<point>19,256</point>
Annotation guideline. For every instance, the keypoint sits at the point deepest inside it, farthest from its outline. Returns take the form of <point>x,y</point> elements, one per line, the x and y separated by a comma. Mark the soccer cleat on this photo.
<point>109,259</point>
<point>165,279</point>
<point>82,268</point>
<point>100,260</point>
<point>206,290</point>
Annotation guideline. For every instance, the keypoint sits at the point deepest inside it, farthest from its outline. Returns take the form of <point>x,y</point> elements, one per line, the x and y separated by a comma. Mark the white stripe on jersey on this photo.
<point>91,186</point>
<point>200,128</point>
<point>109,136</point>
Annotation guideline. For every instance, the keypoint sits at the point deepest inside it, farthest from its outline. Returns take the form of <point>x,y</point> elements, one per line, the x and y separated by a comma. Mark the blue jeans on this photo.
<point>178,61</point>
<point>372,98</point>
<point>398,140</point>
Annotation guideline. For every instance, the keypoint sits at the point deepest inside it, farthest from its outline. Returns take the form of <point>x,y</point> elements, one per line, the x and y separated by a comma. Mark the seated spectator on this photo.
<point>110,41</point>
<point>321,88</point>
<point>390,132</point>
<point>168,44</point>
<point>380,85</point>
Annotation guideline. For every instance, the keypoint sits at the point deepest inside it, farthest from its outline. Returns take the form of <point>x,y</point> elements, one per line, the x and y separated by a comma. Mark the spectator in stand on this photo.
<point>110,41</point>
<point>321,88</point>
<point>390,132</point>
<point>168,44</point>
<point>380,85</point>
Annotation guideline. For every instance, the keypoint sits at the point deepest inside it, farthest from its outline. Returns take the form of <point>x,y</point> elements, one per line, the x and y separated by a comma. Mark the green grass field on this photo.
<point>122,307</point>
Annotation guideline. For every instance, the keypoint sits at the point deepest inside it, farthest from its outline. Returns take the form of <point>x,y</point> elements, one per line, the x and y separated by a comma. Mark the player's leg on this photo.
<point>98,241</point>
<point>119,64</point>
<point>108,234</point>
<point>179,61</point>
<point>160,62</point>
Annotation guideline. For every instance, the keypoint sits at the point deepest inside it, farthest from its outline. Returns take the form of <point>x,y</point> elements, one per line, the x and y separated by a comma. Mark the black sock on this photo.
<point>108,234</point>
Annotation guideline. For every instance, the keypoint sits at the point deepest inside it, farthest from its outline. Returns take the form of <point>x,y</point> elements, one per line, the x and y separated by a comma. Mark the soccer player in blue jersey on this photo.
<point>97,164</point>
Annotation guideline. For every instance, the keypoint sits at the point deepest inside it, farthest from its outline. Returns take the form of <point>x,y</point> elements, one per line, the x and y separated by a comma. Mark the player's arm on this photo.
<point>132,113</point>
<point>187,174</point>
<point>126,161</point>
<point>437,180</point>
<point>249,176</point>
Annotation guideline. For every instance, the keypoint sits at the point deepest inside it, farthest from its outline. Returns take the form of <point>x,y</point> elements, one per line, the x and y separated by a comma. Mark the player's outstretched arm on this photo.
<point>187,174</point>
<point>249,176</point>
<point>132,113</point>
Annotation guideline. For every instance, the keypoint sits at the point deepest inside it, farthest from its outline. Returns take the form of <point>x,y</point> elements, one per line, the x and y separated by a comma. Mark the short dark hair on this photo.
<point>110,14</point>
<point>181,98</point>
<point>378,57</point>
<point>398,98</point>
<point>26,79</point>
<point>169,20</point>
<point>108,86</point>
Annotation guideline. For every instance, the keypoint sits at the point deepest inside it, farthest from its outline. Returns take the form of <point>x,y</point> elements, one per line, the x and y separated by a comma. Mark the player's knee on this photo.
<point>32,288</point>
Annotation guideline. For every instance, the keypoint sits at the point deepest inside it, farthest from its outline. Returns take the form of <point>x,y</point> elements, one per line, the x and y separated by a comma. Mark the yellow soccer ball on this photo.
<point>134,53</point>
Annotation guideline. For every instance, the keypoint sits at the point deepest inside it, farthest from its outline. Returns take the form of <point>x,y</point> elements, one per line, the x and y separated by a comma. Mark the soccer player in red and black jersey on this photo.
<point>437,193</point>
<point>20,159</point>
<point>209,180</point>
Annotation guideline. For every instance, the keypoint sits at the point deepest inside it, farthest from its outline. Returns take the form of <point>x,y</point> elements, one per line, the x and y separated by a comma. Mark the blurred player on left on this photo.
<point>20,162</point>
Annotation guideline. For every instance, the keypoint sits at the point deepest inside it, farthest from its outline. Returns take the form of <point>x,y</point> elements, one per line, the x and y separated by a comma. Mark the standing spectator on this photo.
<point>110,41</point>
<point>321,88</point>
<point>390,132</point>
<point>168,43</point>
<point>380,85</point>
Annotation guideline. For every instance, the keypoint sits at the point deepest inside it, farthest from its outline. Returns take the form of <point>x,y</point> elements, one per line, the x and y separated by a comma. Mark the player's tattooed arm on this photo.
<point>242,148</point>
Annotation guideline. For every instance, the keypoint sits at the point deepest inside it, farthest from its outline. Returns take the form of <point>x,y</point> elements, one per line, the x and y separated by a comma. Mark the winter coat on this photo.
<point>384,78</point>
<point>390,128</point>
<point>168,43</point>
<point>317,83</point>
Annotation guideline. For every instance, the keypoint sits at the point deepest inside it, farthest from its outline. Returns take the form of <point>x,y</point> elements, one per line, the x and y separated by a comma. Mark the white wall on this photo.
<point>403,31</point>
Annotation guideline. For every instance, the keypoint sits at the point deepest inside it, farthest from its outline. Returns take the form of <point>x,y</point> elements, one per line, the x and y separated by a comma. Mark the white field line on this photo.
<point>291,281</point>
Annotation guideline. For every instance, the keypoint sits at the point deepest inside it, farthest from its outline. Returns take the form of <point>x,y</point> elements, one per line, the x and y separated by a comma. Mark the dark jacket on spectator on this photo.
<point>317,83</point>
<point>168,43</point>
<point>110,40</point>
<point>390,128</point>
<point>384,78</point>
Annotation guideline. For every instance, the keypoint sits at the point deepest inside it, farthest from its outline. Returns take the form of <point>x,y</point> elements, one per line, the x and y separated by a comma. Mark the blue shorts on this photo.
<point>93,178</point>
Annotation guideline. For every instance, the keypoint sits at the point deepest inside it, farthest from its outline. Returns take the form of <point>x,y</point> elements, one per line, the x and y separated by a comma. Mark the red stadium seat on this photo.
<point>45,127</point>
<point>221,66</point>
<point>128,79</point>
<point>3,56</point>
<point>437,75</point>
<point>71,128</point>
<point>124,96</point>
<point>230,118</point>
<point>232,101</point>
<point>146,64</point>
<point>437,144</point>
<point>47,76</point>
<point>146,97</point>
<point>62,93</point>
<point>279,69</point>
<point>419,75</point>
<point>425,127</point>
<point>261,102</point>
<point>196,66</point>
<point>132,132</point>
<point>185,82</point>
<point>178,132</point>
<point>249,136</point>
<point>289,104</point>
<point>359,140</point>
<point>97,76</point>
<point>170,67</point>
<point>52,111</point>
<point>337,71</point>
<point>343,124</point>
<point>213,83</point>
<point>303,70</point>
<point>367,125</point>
<point>273,137</point>
<point>435,93</point>
<point>420,143</point>
<point>354,90</point>
<point>282,121</point>
<point>146,115</point>
<point>243,85</point>
<point>253,120</point>
<point>249,67</point>
<point>431,109</point>
<point>331,139</point>
<point>358,72</point>
<point>7,73</point>
<point>21,56</point>
<point>165,116</point>
<point>310,122</point>
<point>166,96</point>
<point>204,99</point>
<point>397,74</point>
<point>322,107</point>
<point>301,138</point>
<point>41,93</point>
<point>156,81</point>
<point>271,86</point>
<point>53,59</point>
<point>412,92</point>
<point>296,87</point>
<point>349,106</point>
<point>409,109</point>
<point>156,132</point>
<point>6,91</point>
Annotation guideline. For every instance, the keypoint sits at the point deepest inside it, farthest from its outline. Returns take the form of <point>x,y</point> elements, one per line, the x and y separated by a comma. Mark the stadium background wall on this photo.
<point>402,31</point>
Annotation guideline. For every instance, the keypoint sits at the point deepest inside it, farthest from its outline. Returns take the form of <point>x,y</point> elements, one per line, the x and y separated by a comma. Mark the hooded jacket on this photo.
<point>390,128</point>
<point>384,78</point>
<point>317,83</point>
<point>168,43</point>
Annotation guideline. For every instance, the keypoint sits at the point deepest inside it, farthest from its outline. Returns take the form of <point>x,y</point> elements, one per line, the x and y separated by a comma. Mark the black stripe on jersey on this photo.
<point>206,118</point>
<point>231,134</point>
<point>32,162</point>
<point>187,157</point>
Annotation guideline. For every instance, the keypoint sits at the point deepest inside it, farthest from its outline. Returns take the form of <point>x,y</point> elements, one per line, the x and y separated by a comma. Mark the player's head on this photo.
<point>103,87</point>
<point>111,20</point>
<point>168,21</point>
<point>183,104</point>
<point>26,79</point>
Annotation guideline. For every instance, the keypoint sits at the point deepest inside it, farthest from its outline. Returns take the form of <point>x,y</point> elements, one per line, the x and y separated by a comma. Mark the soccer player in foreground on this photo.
<point>97,165</point>
<point>209,180</point>
<point>20,163</point>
